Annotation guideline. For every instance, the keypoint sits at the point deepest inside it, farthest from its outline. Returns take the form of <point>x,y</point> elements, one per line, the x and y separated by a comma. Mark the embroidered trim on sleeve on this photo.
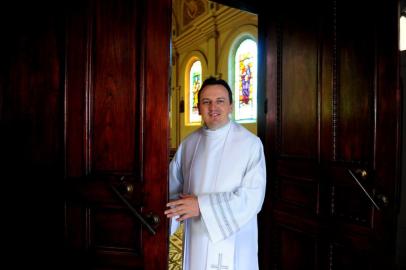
<point>223,214</point>
<point>231,212</point>
<point>216,216</point>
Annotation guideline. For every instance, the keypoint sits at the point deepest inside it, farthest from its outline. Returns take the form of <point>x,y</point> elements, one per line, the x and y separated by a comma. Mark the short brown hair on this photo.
<point>214,81</point>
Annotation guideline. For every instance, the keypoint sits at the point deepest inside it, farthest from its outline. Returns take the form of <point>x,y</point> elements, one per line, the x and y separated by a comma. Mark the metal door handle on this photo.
<point>363,189</point>
<point>152,217</point>
<point>383,199</point>
<point>126,187</point>
<point>362,173</point>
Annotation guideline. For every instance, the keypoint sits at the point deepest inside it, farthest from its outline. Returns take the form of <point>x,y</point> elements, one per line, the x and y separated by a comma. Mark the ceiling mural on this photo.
<point>193,9</point>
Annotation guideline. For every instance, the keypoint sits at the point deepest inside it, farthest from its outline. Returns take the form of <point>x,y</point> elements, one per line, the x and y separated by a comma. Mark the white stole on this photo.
<point>220,254</point>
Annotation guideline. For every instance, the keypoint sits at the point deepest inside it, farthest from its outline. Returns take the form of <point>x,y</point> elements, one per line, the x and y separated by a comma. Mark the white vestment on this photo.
<point>225,169</point>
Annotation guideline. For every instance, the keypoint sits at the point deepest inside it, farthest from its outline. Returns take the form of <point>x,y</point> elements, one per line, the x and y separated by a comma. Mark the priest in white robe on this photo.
<point>217,187</point>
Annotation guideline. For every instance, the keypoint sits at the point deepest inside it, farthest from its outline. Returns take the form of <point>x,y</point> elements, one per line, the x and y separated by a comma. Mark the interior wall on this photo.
<point>206,30</point>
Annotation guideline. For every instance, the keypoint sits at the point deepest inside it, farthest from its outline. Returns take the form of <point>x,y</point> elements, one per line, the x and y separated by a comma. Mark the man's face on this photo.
<point>214,106</point>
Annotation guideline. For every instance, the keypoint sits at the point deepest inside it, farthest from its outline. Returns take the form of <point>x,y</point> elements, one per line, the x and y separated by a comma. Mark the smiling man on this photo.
<point>215,104</point>
<point>217,187</point>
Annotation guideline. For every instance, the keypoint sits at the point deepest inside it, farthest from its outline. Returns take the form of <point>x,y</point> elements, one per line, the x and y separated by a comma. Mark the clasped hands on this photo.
<point>185,207</point>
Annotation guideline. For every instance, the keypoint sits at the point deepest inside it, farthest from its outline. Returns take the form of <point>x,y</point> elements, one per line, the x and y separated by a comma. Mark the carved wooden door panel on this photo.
<point>116,134</point>
<point>331,134</point>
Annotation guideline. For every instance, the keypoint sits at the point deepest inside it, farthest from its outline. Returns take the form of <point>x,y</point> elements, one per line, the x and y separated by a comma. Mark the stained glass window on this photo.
<point>195,81</point>
<point>246,81</point>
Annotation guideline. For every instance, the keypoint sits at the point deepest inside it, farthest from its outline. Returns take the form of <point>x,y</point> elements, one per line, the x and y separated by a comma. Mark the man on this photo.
<point>217,187</point>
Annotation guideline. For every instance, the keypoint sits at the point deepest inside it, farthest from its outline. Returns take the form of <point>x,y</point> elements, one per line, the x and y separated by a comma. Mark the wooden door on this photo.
<point>331,133</point>
<point>116,134</point>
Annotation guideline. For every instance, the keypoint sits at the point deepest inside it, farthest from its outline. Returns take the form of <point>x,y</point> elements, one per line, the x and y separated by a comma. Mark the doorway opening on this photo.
<point>209,39</point>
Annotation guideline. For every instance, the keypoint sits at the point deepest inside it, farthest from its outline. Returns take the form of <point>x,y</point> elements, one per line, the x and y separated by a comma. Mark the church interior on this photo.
<point>207,34</point>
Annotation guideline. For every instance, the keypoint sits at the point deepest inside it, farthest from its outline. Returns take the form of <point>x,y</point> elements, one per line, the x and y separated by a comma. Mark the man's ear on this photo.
<point>198,108</point>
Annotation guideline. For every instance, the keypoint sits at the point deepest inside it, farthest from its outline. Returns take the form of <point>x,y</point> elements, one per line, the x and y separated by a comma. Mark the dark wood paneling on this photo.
<point>388,135</point>
<point>298,250</point>
<point>297,187</point>
<point>76,232</point>
<point>76,88</point>
<point>31,131</point>
<point>331,88</point>
<point>299,81</point>
<point>122,100</point>
<point>299,194</point>
<point>156,129</point>
<point>344,257</point>
<point>115,228</point>
<point>79,85</point>
<point>32,88</point>
<point>303,169</point>
<point>114,88</point>
<point>355,82</point>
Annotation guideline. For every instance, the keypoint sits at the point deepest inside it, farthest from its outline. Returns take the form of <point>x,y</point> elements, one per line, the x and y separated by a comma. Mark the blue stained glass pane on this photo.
<point>246,81</point>
<point>195,79</point>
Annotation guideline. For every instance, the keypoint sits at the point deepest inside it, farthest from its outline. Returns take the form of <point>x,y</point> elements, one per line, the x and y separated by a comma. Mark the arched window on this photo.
<point>195,81</point>
<point>245,79</point>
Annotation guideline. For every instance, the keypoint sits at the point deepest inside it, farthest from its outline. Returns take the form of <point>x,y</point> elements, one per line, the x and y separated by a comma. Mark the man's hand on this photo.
<point>185,207</point>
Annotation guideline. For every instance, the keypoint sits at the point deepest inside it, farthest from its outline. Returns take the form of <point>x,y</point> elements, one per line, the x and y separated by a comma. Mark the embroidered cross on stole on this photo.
<point>220,255</point>
<point>219,265</point>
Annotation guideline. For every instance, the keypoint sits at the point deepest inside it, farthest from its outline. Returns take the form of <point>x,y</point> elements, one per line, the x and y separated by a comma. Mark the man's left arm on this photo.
<point>224,213</point>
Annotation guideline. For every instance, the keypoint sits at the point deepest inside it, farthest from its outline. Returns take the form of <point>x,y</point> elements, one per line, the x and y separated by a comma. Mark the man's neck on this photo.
<point>218,127</point>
